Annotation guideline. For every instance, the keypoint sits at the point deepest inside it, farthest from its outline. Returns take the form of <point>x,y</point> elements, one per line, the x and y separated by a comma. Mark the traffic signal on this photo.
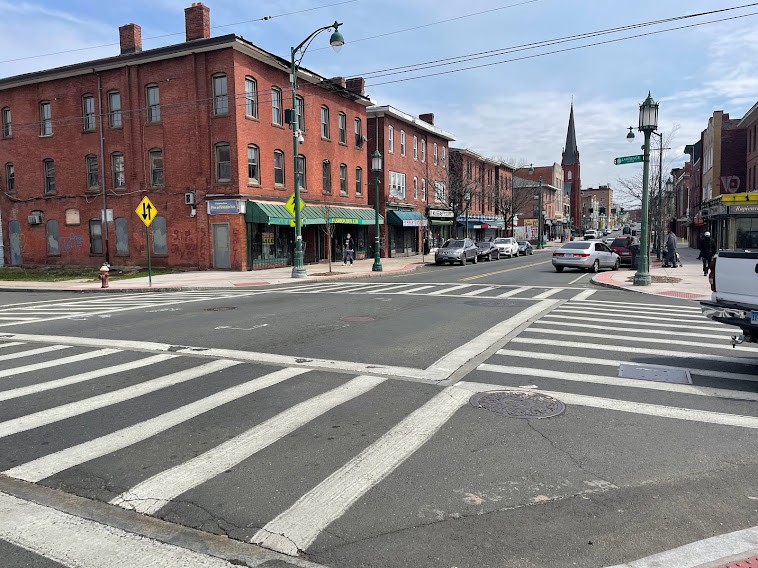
<point>602,210</point>
<point>622,210</point>
<point>613,210</point>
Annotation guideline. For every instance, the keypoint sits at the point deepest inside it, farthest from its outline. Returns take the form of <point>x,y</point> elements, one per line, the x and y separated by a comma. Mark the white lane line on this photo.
<point>10,343</point>
<point>618,382</point>
<point>478,291</point>
<point>153,493</point>
<point>660,411</point>
<point>298,527</point>
<point>710,551</point>
<point>666,332</point>
<point>52,415</point>
<point>56,362</point>
<point>30,352</point>
<point>411,291</point>
<point>96,374</point>
<point>581,296</point>
<point>622,317</point>
<point>51,464</point>
<point>638,350</point>
<point>547,293</point>
<point>561,358</point>
<point>624,305</point>
<point>448,290</point>
<point>577,279</point>
<point>630,314</point>
<point>76,542</point>
<point>632,338</point>
<point>450,363</point>
<point>514,292</point>
<point>317,289</point>
<point>391,288</point>
<point>247,356</point>
<point>17,318</point>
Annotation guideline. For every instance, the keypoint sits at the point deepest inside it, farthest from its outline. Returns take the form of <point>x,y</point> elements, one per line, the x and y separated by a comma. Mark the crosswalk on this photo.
<point>161,430</point>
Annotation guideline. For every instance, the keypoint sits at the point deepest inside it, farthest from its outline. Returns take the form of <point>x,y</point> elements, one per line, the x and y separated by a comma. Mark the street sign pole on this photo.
<point>146,211</point>
<point>149,267</point>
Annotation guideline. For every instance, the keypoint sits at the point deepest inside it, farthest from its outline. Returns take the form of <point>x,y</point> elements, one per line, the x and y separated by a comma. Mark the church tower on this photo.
<point>572,184</point>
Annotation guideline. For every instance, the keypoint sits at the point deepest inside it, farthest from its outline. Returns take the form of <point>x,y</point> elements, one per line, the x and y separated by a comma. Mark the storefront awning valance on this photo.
<point>440,222</point>
<point>272,213</point>
<point>267,213</point>
<point>406,218</point>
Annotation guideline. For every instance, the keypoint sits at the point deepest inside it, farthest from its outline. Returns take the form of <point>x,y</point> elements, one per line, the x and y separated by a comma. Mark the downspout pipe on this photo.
<point>104,216</point>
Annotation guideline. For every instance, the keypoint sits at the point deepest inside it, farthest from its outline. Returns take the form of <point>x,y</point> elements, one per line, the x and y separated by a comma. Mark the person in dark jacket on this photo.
<point>670,249</point>
<point>707,248</point>
<point>348,250</point>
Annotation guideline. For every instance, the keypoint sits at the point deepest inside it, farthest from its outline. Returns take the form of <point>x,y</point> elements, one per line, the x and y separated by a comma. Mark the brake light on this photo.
<point>583,255</point>
<point>557,254</point>
<point>712,274</point>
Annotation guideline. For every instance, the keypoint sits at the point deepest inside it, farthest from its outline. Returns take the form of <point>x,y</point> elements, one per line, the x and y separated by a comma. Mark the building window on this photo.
<point>114,109</point>
<point>220,95</point>
<point>343,179</point>
<point>342,126</point>
<point>390,139</point>
<point>325,122</point>
<point>7,128</point>
<point>423,150</point>
<point>415,187</point>
<point>423,189</point>
<point>358,127</point>
<point>95,236</point>
<point>436,155</point>
<point>439,191</point>
<point>156,167</point>
<point>88,112</point>
<point>92,172</point>
<point>253,163</point>
<point>153,97</point>
<point>397,185</point>
<point>402,142</point>
<point>53,245</point>
<point>223,162</point>
<point>10,178</point>
<point>358,181</point>
<point>117,165</point>
<point>301,172</point>
<point>276,106</point>
<point>326,176</point>
<point>444,156</point>
<point>45,119</point>
<point>48,168</point>
<point>160,246</point>
<point>122,236</point>
<point>278,167</point>
<point>251,97</point>
<point>300,113</point>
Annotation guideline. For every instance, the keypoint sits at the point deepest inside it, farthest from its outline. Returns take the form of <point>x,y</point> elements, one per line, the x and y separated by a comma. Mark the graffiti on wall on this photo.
<point>183,244</point>
<point>72,243</point>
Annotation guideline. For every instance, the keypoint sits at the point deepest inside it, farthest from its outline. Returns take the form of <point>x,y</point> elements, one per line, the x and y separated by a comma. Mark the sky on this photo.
<point>514,105</point>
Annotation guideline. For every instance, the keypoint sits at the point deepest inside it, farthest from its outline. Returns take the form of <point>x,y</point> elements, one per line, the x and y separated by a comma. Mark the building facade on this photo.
<point>476,188</point>
<point>597,207</point>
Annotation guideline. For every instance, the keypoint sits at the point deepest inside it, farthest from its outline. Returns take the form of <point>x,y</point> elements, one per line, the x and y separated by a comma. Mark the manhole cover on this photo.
<point>357,319</point>
<point>221,309</point>
<point>518,404</point>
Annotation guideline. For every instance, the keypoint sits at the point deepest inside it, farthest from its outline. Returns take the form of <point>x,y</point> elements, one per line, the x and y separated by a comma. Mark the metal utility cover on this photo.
<point>659,373</point>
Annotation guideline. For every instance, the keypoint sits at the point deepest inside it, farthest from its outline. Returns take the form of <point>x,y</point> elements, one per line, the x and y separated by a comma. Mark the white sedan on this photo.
<point>585,255</point>
<point>508,246</point>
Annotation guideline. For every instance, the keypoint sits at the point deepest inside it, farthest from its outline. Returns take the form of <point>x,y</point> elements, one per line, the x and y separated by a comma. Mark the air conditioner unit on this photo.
<point>189,198</point>
<point>35,219</point>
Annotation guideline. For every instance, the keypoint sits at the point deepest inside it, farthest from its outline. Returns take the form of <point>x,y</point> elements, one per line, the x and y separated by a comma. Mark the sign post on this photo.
<point>147,212</point>
<point>628,159</point>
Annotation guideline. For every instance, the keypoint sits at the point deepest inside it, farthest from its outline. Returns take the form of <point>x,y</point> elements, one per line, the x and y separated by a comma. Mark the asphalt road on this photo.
<point>332,421</point>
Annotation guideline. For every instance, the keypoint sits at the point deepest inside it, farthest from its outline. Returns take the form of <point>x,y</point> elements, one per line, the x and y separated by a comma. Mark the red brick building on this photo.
<point>572,179</point>
<point>414,179</point>
<point>200,129</point>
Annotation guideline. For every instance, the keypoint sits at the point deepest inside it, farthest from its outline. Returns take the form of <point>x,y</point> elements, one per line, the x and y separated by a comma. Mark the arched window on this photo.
<point>88,113</point>
<point>45,119</point>
<point>423,150</point>
<point>343,179</point>
<point>326,176</point>
<point>390,139</point>
<point>358,127</point>
<point>415,148</point>
<point>153,98</point>
<point>114,109</point>
<point>223,162</point>
<point>301,172</point>
<point>276,106</point>
<point>342,126</point>
<point>325,122</point>
<point>358,181</point>
<point>7,127</point>
<point>402,142</point>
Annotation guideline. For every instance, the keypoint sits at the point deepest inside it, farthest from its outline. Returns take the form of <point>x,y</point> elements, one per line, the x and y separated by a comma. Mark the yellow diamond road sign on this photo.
<point>146,211</point>
<point>290,206</point>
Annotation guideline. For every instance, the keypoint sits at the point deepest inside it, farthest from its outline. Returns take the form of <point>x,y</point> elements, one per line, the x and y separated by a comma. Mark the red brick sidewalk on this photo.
<point>751,562</point>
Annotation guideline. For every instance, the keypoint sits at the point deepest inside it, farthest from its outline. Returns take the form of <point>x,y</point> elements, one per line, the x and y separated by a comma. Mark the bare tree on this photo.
<point>328,228</point>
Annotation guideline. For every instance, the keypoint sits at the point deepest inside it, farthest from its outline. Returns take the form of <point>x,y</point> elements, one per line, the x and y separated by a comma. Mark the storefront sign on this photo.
<point>224,207</point>
<point>414,222</point>
<point>439,214</point>
<point>743,209</point>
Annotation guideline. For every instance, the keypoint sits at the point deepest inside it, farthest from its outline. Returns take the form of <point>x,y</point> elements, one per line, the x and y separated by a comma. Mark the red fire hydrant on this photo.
<point>104,270</point>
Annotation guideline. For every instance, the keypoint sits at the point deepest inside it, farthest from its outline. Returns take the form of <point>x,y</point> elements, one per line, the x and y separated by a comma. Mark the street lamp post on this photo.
<point>376,166</point>
<point>540,221</point>
<point>336,41</point>
<point>648,122</point>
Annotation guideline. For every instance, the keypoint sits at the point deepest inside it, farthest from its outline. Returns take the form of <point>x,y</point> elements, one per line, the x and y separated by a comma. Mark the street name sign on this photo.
<point>146,211</point>
<point>628,159</point>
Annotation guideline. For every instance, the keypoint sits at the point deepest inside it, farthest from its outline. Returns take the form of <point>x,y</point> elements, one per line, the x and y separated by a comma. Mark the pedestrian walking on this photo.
<point>348,250</point>
<point>670,259</point>
<point>707,248</point>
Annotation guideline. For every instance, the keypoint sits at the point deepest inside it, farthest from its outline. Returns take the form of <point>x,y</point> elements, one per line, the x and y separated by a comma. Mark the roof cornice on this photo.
<point>377,111</point>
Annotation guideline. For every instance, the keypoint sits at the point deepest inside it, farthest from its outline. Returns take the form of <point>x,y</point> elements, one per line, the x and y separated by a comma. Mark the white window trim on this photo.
<point>390,139</point>
<point>397,185</point>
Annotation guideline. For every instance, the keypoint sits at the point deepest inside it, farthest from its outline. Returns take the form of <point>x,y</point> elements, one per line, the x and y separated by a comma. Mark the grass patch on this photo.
<point>77,273</point>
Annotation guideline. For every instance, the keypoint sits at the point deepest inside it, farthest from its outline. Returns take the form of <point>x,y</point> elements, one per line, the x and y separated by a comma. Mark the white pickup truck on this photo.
<point>734,301</point>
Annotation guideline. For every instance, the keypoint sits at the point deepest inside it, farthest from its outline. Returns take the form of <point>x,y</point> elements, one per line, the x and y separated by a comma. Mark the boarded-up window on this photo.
<point>159,236</point>
<point>122,237</point>
<point>72,216</point>
<point>53,245</point>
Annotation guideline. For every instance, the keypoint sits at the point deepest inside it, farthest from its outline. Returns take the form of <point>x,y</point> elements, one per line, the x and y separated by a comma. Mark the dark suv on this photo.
<point>620,246</point>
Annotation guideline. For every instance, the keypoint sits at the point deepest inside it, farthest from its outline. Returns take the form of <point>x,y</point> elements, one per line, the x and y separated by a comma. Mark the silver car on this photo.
<point>585,255</point>
<point>456,250</point>
<point>507,246</point>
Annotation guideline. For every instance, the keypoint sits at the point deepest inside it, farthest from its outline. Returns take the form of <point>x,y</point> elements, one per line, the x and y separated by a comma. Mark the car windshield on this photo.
<point>501,241</point>
<point>523,243</point>
<point>577,245</point>
<point>620,242</point>
<point>453,244</point>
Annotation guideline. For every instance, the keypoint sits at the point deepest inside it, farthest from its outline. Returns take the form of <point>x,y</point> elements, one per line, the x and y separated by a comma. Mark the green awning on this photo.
<point>318,214</point>
<point>438,222</point>
<point>406,218</point>
<point>267,213</point>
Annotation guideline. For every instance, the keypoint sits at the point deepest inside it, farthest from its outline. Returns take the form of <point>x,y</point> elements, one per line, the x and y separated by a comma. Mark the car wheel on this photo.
<point>437,262</point>
<point>559,269</point>
<point>596,266</point>
<point>531,251</point>
<point>616,264</point>
<point>476,259</point>
<point>463,260</point>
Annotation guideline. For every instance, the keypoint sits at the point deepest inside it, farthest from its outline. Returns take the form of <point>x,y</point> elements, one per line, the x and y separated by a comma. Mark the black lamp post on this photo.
<point>376,166</point>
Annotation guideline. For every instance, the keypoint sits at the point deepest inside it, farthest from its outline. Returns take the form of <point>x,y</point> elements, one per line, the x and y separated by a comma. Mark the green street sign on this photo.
<point>628,159</point>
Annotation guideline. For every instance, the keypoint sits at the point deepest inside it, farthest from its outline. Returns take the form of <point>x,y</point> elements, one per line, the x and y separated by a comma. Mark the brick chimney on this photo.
<point>130,38</point>
<point>197,21</point>
<point>339,81</point>
<point>356,85</point>
<point>428,118</point>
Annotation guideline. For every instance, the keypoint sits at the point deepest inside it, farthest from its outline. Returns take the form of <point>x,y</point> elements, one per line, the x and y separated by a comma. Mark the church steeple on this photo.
<point>570,151</point>
<point>572,183</point>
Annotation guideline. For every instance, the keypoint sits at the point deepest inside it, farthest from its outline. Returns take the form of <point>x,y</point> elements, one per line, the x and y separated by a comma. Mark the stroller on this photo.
<point>668,262</point>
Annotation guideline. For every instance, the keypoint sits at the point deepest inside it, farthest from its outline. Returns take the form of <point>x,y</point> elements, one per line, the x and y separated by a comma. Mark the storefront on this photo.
<point>733,220</point>
<point>404,226</point>
<point>482,227</point>
<point>440,226</point>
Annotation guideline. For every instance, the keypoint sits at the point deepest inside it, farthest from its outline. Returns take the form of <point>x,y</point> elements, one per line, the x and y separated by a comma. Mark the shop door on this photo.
<point>221,256</point>
<point>14,236</point>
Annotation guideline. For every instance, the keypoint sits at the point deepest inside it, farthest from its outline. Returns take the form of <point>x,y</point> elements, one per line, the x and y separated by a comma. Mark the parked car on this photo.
<point>525,247</point>
<point>621,246</point>
<point>507,246</point>
<point>585,255</point>
<point>487,251</point>
<point>456,250</point>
